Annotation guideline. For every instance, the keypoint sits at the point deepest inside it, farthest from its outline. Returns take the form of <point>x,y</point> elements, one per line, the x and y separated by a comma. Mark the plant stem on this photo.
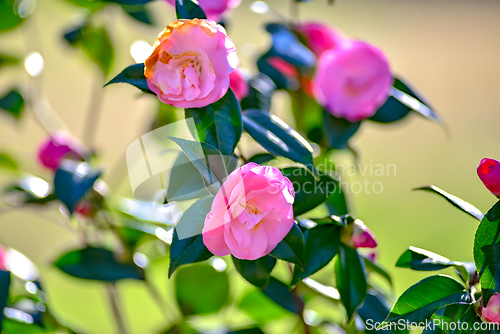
<point>157,298</point>
<point>94,113</point>
<point>113,299</point>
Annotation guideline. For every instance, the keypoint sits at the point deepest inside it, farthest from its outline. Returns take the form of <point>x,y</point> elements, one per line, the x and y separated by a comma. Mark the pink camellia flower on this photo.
<point>251,213</point>
<point>53,149</point>
<point>489,172</point>
<point>362,237</point>
<point>2,258</point>
<point>238,84</point>
<point>214,9</point>
<point>353,80</point>
<point>491,313</point>
<point>191,63</point>
<point>320,37</point>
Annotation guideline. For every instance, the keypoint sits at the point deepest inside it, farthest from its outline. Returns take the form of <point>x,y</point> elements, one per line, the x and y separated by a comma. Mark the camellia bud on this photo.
<point>489,172</point>
<point>362,237</point>
<point>491,313</point>
<point>53,149</point>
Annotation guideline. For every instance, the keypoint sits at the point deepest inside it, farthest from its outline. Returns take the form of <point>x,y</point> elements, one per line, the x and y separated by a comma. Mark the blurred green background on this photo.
<point>450,49</point>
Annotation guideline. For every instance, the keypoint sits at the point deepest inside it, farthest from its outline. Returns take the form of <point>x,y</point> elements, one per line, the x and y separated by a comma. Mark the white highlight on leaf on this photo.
<point>33,64</point>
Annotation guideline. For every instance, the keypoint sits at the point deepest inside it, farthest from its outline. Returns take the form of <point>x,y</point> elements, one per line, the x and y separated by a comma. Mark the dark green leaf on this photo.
<point>415,105</point>
<point>376,268</point>
<point>133,75</point>
<point>455,201</point>
<point>280,81</point>
<point>277,137</point>
<point>201,289</point>
<point>9,15</point>
<point>449,316</point>
<point>29,190</point>
<point>185,181</point>
<point>181,328</point>
<point>322,243</point>
<point>487,234</point>
<point>252,330</point>
<point>421,300</point>
<point>337,202</point>
<point>279,293</point>
<point>139,13</point>
<point>261,89</point>
<point>257,272</point>
<point>338,131</point>
<point>12,103</point>
<point>97,264</point>
<point>189,9</point>
<point>72,180</point>
<point>97,46</point>
<point>73,35</point>
<point>291,248</point>
<point>309,192</point>
<point>7,60</point>
<point>4,291</point>
<point>187,243</point>
<point>375,310</point>
<point>219,124</point>
<point>351,279</point>
<point>261,158</point>
<point>7,162</point>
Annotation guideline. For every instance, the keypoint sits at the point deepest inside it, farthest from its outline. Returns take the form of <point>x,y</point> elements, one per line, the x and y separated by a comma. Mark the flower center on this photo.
<point>251,208</point>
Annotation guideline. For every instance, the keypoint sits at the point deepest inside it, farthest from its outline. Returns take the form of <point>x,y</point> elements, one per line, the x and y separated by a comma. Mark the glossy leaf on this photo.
<point>133,75</point>
<point>29,190</point>
<point>421,300</point>
<point>279,293</point>
<point>455,201</point>
<point>187,244</point>
<point>185,181</point>
<point>9,15</point>
<point>415,105</point>
<point>338,131</point>
<point>261,158</point>
<point>374,310</point>
<point>337,202</point>
<point>97,46</point>
<point>487,235</point>
<point>97,264</point>
<point>291,248</point>
<point>350,277</point>
<point>201,289</point>
<point>72,180</point>
<point>219,124</point>
<point>257,272</point>
<point>279,79</point>
<point>260,91</point>
<point>12,103</point>
<point>277,137</point>
<point>309,192</point>
<point>189,9</point>
<point>322,243</point>
<point>450,315</point>
<point>140,13</point>
<point>5,280</point>
<point>376,268</point>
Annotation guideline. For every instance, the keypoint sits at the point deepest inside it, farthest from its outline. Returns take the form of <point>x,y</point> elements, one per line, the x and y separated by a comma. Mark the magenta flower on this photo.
<point>353,80</point>
<point>320,37</point>
<point>491,313</point>
<point>362,237</point>
<point>53,149</point>
<point>251,213</point>
<point>214,9</point>
<point>489,172</point>
<point>191,63</point>
<point>238,84</point>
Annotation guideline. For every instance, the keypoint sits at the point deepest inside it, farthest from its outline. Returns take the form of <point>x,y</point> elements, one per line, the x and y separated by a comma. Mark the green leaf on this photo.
<point>338,131</point>
<point>422,260</point>
<point>277,137</point>
<point>8,162</point>
<point>97,46</point>
<point>140,13</point>
<point>133,75</point>
<point>322,243</point>
<point>309,192</point>
<point>261,158</point>
<point>421,300</point>
<point>450,315</point>
<point>337,202</point>
<point>9,15</point>
<point>260,91</point>
<point>376,268</point>
<point>201,289</point>
<point>219,124</point>
<point>487,234</point>
<point>251,330</point>
<point>185,181</point>
<point>260,308</point>
<point>257,272</point>
<point>4,291</point>
<point>97,264</point>
<point>415,105</point>
<point>455,201</point>
<point>375,310</point>
<point>189,9</point>
<point>7,60</point>
<point>72,180</point>
<point>351,279</point>
<point>291,248</point>
<point>129,2</point>
<point>74,34</point>
<point>208,160</point>
<point>29,190</point>
<point>279,293</point>
<point>12,103</point>
<point>187,243</point>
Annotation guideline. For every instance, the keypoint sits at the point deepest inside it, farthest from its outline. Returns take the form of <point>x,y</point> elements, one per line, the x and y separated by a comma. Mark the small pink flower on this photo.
<point>191,63</point>
<point>491,313</point>
<point>320,37</point>
<point>489,172</point>
<point>2,258</point>
<point>214,9</point>
<point>352,81</point>
<point>251,213</point>
<point>362,237</point>
<point>285,68</point>
<point>238,84</point>
<point>53,149</point>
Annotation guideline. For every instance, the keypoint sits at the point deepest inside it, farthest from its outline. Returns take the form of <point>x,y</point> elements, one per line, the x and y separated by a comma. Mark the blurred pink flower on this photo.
<point>238,84</point>
<point>353,80</point>
<point>2,258</point>
<point>320,37</point>
<point>53,149</point>
<point>362,237</point>
<point>491,313</point>
<point>251,213</point>
<point>214,9</point>
<point>191,63</point>
<point>489,172</point>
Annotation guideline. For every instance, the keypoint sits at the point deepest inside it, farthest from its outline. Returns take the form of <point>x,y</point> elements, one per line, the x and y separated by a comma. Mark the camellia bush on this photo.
<point>279,220</point>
